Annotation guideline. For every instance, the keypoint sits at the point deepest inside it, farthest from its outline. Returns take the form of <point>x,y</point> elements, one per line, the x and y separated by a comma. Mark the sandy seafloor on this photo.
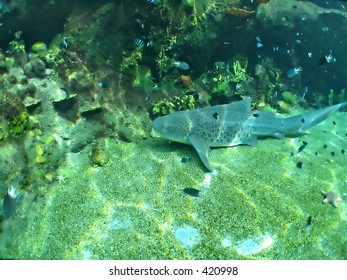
<point>255,205</point>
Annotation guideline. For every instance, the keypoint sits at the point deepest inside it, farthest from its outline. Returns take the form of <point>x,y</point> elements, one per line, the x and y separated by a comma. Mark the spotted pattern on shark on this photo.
<point>233,124</point>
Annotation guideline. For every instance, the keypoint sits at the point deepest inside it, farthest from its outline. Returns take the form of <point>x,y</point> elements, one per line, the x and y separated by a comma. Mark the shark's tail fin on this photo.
<point>300,123</point>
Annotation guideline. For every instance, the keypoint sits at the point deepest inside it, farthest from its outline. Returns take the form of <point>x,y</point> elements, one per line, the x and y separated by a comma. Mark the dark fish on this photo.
<point>186,159</point>
<point>309,221</point>
<point>302,147</point>
<point>104,83</point>
<point>9,204</point>
<point>192,192</point>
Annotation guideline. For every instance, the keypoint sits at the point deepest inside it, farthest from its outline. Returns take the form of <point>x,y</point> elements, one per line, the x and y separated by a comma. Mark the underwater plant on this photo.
<point>19,124</point>
<point>177,103</point>
<point>239,72</point>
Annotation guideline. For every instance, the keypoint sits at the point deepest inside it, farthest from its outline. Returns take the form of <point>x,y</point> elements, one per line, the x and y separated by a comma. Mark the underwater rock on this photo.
<point>90,109</point>
<point>39,47</point>
<point>99,156</point>
<point>83,134</point>
<point>31,103</point>
<point>17,72</point>
<point>12,162</point>
<point>185,80</point>
<point>67,107</point>
<point>287,13</point>
<point>289,98</point>
<point>59,95</point>
<point>35,68</point>
<point>29,89</point>
<point>80,82</point>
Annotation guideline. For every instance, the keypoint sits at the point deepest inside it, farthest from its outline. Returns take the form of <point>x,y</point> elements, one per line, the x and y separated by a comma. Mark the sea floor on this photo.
<point>256,204</point>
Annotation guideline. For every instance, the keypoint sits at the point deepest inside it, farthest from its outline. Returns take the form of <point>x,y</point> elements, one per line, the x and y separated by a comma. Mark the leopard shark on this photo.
<point>233,124</point>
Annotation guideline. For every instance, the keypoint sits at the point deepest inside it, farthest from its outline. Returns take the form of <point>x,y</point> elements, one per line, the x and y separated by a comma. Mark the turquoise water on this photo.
<point>94,181</point>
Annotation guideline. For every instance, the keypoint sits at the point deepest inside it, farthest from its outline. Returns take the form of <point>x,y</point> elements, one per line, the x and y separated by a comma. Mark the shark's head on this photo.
<point>175,127</point>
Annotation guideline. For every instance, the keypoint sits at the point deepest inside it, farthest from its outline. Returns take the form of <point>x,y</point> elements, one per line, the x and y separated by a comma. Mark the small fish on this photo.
<point>149,44</point>
<point>186,159</point>
<point>9,204</point>
<point>302,147</point>
<point>181,65</point>
<point>259,43</point>
<point>65,42</point>
<point>192,192</point>
<point>293,72</point>
<point>326,59</point>
<point>139,42</point>
<point>104,83</point>
<point>308,224</point>
<point>304,92</point>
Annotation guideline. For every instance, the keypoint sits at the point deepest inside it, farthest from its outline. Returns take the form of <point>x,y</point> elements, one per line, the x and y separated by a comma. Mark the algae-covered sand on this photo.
<point>255,205</point>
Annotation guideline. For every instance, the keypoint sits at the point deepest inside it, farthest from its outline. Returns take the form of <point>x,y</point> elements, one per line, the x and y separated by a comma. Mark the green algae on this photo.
<point>19,124</point>
<point>177,103</point>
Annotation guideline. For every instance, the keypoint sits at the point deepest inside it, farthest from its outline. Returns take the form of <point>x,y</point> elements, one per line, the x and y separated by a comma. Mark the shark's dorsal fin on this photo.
<point>243,106</point>
<point>202,149</point>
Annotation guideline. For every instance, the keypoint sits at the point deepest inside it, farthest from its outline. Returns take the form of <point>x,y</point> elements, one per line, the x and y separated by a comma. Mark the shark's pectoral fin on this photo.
<point>202,149</point>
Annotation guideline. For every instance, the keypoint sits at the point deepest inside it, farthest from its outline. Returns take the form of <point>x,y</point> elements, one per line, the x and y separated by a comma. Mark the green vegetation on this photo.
<point>167,106</point>
<point>19,124</point>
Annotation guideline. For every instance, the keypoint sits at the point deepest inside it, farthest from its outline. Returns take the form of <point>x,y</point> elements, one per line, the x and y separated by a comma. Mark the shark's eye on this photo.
<point>302,120</point>
<point>216,116</point>
<point>256,115</point>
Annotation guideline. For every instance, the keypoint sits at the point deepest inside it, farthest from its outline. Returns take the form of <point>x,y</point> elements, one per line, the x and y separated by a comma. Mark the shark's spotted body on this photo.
<point>233,124</point>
